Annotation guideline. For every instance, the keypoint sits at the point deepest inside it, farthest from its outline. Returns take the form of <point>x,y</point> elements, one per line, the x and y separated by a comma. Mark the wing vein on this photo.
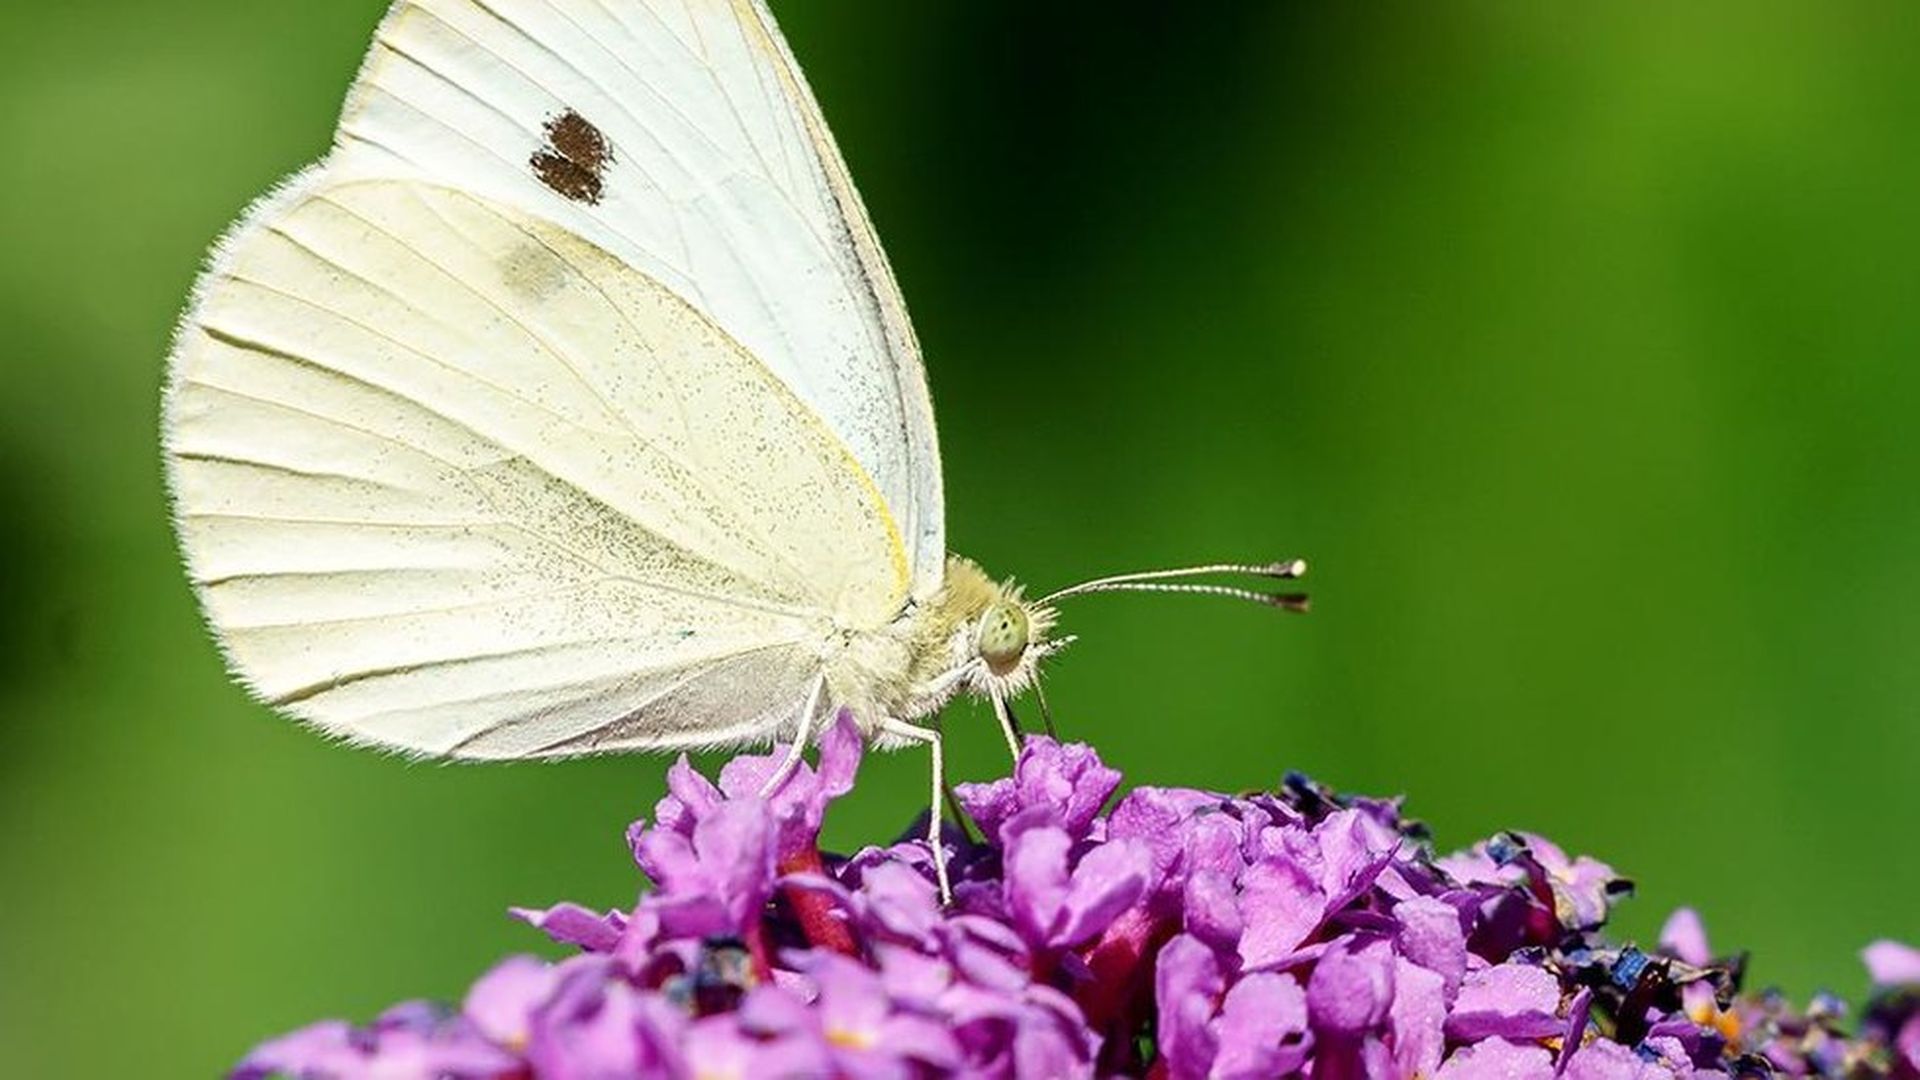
<point>550,348</point>
<point>287,470</point>
<point>342,681</point>
<point>238,341</point>
<point>534,135</point>
<point>678,396</point>
<point>743,603</point>
<point>761,296</point>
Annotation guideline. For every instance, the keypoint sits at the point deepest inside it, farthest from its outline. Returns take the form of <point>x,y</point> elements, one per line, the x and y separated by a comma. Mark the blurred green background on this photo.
<point>1575,345</point>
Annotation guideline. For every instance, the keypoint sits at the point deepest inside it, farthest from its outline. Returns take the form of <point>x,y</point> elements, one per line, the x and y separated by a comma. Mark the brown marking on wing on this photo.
<point>574,161</point>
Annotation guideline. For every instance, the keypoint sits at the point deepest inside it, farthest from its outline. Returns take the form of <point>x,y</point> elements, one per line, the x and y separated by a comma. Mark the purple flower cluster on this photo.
<point>1182,934</point>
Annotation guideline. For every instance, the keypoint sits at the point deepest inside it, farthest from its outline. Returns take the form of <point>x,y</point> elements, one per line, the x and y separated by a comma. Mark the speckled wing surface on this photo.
<point>567,405</point>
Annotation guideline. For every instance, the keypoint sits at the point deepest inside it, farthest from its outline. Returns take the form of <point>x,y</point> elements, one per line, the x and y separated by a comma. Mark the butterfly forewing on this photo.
<point>679,136</point>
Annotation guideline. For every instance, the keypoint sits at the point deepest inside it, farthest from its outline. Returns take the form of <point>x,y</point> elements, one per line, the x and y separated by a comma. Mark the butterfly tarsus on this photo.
<point>936,809</point>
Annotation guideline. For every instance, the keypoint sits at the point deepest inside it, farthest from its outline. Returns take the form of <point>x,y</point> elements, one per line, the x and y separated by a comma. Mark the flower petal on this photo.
<point>1350,990</point>
<point>1497,1059</point>
<point>1891,963</point>
<point>1187,982</point>
<point>1262,1029</point>
<point>1110,879</point>
<point>1685,936</point>
<point>1512,1000</point>
<point>571,924</point>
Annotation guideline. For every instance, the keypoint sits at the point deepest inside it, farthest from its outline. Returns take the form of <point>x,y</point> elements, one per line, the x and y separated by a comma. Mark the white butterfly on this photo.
<point>569,406</point>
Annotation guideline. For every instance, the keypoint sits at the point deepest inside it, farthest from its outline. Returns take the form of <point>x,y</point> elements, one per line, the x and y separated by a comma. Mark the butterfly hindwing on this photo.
<point>452,479</point>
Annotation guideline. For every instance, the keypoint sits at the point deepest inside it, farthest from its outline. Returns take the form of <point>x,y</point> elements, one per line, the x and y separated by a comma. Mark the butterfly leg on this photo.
<point>1046,714</point>
<point>936,809</point>
<point>1004,713</point>
<point>801,737</point>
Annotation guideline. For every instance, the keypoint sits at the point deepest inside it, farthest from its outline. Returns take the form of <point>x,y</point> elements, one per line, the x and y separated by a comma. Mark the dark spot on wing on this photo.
<point>574,161</point>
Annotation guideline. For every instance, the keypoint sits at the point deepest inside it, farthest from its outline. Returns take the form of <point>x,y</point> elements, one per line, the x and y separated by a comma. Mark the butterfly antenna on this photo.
<point>1164,581</point>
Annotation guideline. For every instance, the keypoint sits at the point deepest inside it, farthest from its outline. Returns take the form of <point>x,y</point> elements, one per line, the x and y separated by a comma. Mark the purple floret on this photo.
<point>1183,934</point>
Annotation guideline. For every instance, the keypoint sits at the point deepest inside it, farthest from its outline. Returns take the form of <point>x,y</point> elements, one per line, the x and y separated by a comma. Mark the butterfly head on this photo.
<point>990,637</point>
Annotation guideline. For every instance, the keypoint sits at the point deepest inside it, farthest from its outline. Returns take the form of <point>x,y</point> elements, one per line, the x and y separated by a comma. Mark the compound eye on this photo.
<point>1003,637</point>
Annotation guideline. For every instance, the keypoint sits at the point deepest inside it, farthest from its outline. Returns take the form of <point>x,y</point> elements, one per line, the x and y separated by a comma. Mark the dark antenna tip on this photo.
<point>1290,602</point>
